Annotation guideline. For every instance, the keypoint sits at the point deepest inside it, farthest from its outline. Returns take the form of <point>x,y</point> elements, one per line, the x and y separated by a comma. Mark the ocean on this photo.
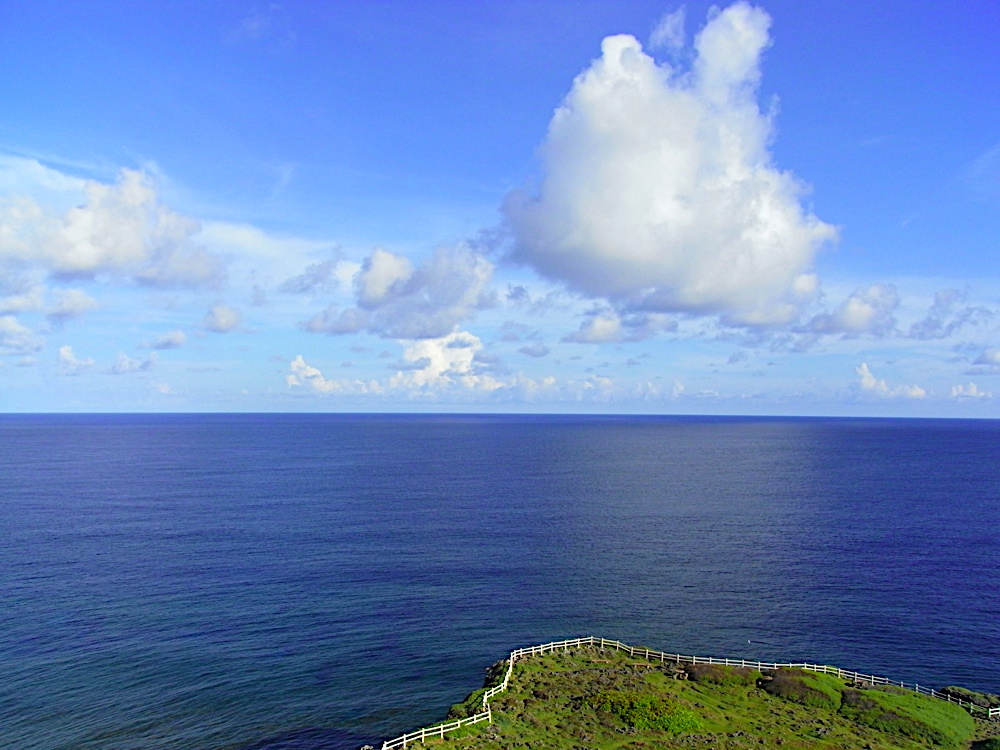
<point>266,582</point>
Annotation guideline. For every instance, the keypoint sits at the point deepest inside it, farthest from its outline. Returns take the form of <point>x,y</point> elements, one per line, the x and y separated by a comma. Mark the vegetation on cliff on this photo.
<point>591,699</point>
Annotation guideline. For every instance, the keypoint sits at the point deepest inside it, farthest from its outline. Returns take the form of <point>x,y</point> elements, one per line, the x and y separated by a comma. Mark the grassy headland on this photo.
<point>593,699</point>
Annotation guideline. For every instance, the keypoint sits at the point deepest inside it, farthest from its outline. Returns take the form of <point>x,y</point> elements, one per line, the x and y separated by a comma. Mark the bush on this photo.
<point>471,706</point>
<point>984,700</point>
<point>720,674</point>
<point>803,687</point>
<point>645,711</point>
<point>906,714</point>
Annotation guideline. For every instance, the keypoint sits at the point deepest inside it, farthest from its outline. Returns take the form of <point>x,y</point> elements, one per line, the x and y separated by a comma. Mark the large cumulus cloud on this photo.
<point>659,188</point>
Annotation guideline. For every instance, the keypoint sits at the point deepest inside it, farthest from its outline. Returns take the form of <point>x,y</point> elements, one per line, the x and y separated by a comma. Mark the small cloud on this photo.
<point>271,25</point>
<point>303,375</point>
<point>169,340</point>
<point>71,303</point>
<point>222,318</point>
<point>164,389</point>
<point>19,295</point>
<point>69,364</point>
<point>990,357</point>
<point>317,278</point>
<point>125,364</point>
<point>608,327</point>
<point>447,360</point>
<point>870,383</point>
<point>970,391</point>
<point>668,33</point>
<point>869,310</point>
<point>983,175</point>
<point>396,300</point>
<point>947,315</point>
<point>537,349</point>
<point>16,338</point>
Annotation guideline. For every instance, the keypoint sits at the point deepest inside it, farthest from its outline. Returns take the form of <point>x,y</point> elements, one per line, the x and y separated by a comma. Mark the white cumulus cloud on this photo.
<point>443,361</point>
<point>16,338</point>
<point>118,228</point>
<point>659,188</point>
<point>971,391</point>
<point>305,375</point>
<point>69,364</point>
<point>870,383</point>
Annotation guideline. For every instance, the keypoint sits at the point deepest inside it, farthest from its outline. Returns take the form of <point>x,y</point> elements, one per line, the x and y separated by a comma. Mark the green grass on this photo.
<point>806,688</point>
<point>645,711</point>
<point>606,700</point>
<point>905,714</point>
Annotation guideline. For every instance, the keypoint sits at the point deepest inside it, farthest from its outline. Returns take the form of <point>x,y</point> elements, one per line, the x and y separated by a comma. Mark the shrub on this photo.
<point>803,687</point>
<point>985,700</point>
<point>645,711</point>
<point>471,706</point>
<point>720,674</point>
<point>906,714</point>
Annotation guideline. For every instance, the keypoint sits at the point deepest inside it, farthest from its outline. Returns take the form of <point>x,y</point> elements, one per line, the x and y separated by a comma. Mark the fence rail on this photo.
<point>651,655</point>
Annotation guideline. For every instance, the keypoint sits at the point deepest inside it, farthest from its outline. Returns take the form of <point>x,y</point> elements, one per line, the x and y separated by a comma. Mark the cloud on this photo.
<point>222,318</point>
<point>396,300</point>
<point>319,277</point>
<point>271,24</point>
<point>982,175</point>
<point>125,364</point>
<point>869,310</point>
<point>68,363</point>
<point>659,189</point>
<point>610,327</point>
<point>989,357</point>
<point>537,349</point>
<point>19,295</point>
<point>947,315</point>
<point>119,228</point>
<point>668,33</point>
<point>71,303</point>
<point>870,383</point>
<point>305,375</point>
<point>970,391</point>
<point>446,360</point>
<point>16,338</point>
<point>169,340</point>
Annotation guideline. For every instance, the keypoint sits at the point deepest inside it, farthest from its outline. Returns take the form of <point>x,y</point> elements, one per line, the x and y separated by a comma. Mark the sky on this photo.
<point>628,206</point>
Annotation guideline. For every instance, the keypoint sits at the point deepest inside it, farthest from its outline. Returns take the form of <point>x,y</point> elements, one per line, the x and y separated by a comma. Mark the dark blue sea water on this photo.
<point>265,582</point>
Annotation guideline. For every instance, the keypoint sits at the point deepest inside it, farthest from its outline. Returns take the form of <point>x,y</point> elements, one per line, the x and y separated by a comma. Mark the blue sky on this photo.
<point>785,208</point>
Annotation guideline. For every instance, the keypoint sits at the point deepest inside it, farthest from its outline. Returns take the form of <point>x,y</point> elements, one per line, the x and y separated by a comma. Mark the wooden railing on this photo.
<point>650,655</point>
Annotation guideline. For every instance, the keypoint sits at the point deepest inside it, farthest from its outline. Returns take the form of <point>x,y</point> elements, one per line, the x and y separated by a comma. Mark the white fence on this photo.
<point>437,731</point>
<point>650,655</point>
